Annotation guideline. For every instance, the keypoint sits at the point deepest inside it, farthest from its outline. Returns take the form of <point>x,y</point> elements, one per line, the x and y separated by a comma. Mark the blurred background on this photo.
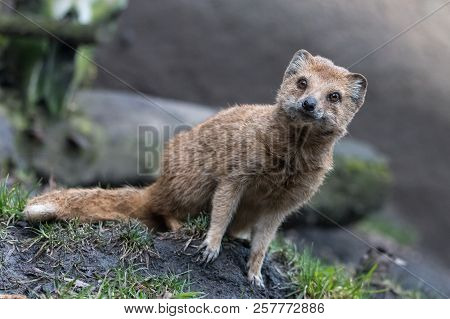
<point>72,117</point>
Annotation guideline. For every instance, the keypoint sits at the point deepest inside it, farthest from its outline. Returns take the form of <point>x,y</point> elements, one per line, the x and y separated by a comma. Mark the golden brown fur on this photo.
<point>249,165</point>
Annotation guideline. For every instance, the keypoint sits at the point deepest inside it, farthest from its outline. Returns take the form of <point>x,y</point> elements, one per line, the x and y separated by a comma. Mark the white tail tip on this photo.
<point>40,212</point>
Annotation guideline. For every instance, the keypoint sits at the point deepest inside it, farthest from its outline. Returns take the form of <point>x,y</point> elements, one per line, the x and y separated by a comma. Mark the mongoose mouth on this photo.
<point>314,116</point>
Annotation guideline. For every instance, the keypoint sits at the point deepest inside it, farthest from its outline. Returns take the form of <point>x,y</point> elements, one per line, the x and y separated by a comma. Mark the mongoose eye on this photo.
<point>334,97</point>
<point>302,83</point>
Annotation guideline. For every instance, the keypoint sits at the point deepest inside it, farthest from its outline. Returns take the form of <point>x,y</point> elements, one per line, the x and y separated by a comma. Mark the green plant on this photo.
<point>135,239</point>
<point>97,11</point>
<point>354,189</point>
<point>46,60</point>
<point>401,234</point>
<point>13,199</point>
<point>196,227</point>
<point>311,278</point>
<point>128,283</point>
<point>68,236</point>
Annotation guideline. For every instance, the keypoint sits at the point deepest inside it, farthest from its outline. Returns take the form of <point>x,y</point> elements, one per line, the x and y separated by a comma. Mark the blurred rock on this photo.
<point>6,141</point>
<point>359,185</point>
<point>102,144</point>
<point>226,52</point>
<point>405,267</point>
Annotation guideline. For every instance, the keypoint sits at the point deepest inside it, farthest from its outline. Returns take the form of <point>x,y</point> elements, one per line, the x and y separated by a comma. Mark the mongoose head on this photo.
<point>316,91</point>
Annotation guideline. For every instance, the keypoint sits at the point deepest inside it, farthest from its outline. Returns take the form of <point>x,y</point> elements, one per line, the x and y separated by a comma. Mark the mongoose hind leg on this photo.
<point>243,221</point>
<point>242,235</point>
<point>172,223</point>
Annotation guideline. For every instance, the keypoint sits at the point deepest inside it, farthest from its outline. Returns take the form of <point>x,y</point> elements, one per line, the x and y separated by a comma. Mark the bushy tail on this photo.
<point>90,205</point>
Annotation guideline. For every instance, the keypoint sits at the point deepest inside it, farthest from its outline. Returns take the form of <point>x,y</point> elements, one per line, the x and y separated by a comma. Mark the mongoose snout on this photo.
<point>309,104</point>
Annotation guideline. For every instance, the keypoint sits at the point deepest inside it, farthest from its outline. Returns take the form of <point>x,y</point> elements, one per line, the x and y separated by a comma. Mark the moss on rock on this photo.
<point>358,186</point>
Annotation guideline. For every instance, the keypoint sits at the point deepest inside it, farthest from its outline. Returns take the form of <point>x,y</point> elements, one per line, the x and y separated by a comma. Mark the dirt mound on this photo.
<point>113,260</point>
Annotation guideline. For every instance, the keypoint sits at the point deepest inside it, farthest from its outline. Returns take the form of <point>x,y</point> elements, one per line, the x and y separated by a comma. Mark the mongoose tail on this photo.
<point>90,205</point>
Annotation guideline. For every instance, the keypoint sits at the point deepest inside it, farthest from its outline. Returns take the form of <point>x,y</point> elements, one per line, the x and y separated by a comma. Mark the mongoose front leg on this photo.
<point>262,234</point>
<point>225,201</point>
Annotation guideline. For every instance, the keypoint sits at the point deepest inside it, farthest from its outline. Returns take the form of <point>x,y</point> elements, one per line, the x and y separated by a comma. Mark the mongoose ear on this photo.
<point>358,88</point>
<point>297,62</point>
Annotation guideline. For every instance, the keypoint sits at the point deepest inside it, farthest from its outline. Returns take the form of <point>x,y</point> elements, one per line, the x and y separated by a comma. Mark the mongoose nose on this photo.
<point>309,104</point>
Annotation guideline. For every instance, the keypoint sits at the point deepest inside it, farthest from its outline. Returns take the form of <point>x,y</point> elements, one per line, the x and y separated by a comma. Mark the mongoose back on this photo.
<point>250,166</point>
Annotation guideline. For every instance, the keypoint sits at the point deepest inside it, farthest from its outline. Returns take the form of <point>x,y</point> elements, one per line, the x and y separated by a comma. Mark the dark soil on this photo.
<point>225,277</point>
<point>30,266</point>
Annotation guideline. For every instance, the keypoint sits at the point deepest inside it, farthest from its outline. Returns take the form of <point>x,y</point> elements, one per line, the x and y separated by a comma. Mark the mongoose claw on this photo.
<point>200,247</point>
<point>256,280</point>
<point>209,254</point>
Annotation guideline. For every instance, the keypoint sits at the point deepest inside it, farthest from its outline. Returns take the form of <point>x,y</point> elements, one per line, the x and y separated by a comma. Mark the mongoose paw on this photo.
<point>209,253</point>
<point>40,212</point>
<point>256,280</point>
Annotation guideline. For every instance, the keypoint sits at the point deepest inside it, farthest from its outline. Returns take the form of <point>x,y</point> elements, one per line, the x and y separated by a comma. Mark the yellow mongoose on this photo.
<point>249,165</point>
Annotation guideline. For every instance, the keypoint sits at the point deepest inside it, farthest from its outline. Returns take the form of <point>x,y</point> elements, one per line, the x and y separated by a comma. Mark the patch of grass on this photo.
<point>131,240</point>
<point>2,263</point>
<point>378,225</point>
<point>388,285</point>
<point>4,237</point>
<point>135,238</point>
<point>13,199</point>
<point>3,230</point>
<point>313,279</point>
<point>128,283</point>
<point>196,227</point>
<point>65,235</point>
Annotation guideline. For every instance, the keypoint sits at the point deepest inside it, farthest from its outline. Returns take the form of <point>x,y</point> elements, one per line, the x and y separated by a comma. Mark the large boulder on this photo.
<point>104,140</point>
<point>114,138</point>
<point>359,185</point>
<point>225,52</point>
<point>117,138</point>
